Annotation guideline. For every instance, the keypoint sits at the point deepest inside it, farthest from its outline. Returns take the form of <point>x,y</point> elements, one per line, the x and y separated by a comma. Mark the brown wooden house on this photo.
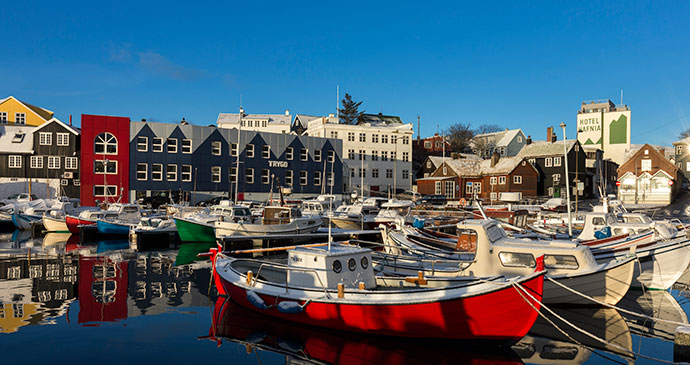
<point>648,177</point>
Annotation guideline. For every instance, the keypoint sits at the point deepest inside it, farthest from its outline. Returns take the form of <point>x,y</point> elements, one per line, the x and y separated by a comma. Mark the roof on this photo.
<point>304,119</point>
<point>504,166</point>
<point>502,138</point>
<point>685,140</point>
<point>55,120</point>
<point>438,160</point>
<point>435,178</point>
<point>41,112</point>
<point>545,148</point>
<point>464,167</point>
<point>233,118</point>
<point>381,119</point>
<point>669,152</point>
<point>12,142</point>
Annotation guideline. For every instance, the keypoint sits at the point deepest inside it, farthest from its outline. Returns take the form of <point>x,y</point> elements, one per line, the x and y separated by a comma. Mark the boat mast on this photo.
<point>237,161</point>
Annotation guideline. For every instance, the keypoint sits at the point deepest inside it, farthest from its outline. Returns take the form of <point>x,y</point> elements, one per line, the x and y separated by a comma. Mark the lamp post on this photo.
<point>237,161</point>
<point>567,180</point>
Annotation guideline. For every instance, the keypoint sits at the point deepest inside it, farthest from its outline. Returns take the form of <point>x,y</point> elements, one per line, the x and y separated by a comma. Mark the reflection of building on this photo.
<point>648,177</point>
<point>102,289</point>
<point>34,291</point>
<point>603,125</point>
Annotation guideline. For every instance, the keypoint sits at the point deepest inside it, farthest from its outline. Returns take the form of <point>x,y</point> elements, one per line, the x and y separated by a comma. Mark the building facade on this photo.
<point>648,177</point>
<point>271,123</point>
<point>603,125</point>
<point>682,156</point>
<point>506,143</point>
<point>433,145</point>
<point>377,152</point>
<point>547,158</point>
<point>16,112</point>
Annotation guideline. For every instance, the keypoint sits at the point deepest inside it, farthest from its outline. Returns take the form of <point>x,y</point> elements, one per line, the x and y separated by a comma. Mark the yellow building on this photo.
<point>17,112</point>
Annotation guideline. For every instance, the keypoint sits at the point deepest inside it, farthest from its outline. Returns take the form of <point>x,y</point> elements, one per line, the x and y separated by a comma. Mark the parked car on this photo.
<point>213,201</point>
<point>435,200</point>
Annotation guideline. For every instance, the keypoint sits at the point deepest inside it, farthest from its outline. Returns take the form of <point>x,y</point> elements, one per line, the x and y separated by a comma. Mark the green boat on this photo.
<point>195,231</point>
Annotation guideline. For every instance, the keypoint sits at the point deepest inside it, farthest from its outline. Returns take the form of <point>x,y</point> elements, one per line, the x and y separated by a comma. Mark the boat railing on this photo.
<point>425,255</point>
<point>252,281</point>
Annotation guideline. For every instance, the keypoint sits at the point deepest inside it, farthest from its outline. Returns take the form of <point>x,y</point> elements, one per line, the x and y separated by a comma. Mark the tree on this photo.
<point>484,146</point>
<point>684,134</point>
<point>459,136</point>
<point>349,113</point>
<point>488,128</point>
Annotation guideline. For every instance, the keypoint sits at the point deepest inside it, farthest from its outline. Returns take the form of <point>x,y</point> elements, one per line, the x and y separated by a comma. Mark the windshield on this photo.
<point>494,232</point>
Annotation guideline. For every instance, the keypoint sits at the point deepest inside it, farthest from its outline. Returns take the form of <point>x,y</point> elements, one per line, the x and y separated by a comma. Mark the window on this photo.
<point>304,154</point>
<point>101,166</point>
<point>329,178</point>
<point>361,155</point>
<point>362,172</point>
<point>374,138</point>
<point>54,162</point>
<point>157,144</point>
<point>406,156</point>
<point>187,146</point>
<point>517,179</point>
<point>557,161</point>
<point>374,155</point>
<point>533,161</point>
<point>437,188</point>
<point>3,117</point>
<point>64,182</point>
<point>478,187</point>
<point>142,144</point>
<point>350,136</point>
<point>519,139</point>
<point>352,172</point>
<point>556,177</point>
<point>249,176</point>
<point>494,195</point>
<point>265,179</point>
<point>450,189</point>
<point>646,165</point>
<point>493,180</point>
<point>233,149</point>
<point>288,177</point>
<point>215,174</point>
<point>646,152</point>
<point>142,171</point>
<point>105,144</point>
<point>389,173</point>
<point>250,151</point>
<point>105,190</point>
<point>351,154</point>
<point>501,180</point>
<point>514,259</point>
<point>171,172</point>
<point>71,163</point>
<point>406,140</point>
<point>384,138</point>
<point>15,161</point>
<point>232,174</point>
<point>468,188</point>
<point>317,155</point>
<point>687,166</point>
<point>445,170</point>
<point>362,137</point>
<point>393,156</point>
<point>266,151</point>
<point>157,172</point>
<point>334,134</point>
<point>45,139</point>
<point>394,139</point>
<point>331,156</point>
<point>427,145</point>
<point>375,173</point>
<point>172,145</point>
<point>550,190</point>
<point>186,174</point>
<point>76,182</point>
<point>438,145</point>
<point>405,174</point>
<point>19,118</point>
<point>679,148</point>
<point>384,155</point>
<point>289,152</point>
<point>36,162</point>
<point>317,178</point>
<point>62,139</point>
<point>548,161</point>
<point>303,177</point>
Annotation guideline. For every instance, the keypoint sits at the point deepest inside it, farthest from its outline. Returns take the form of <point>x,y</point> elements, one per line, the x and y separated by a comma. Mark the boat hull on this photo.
<point>193,231</point>
<point>105,227</point>
<point>58,225</point>
<point>23,221</point>
<point>73,223</point>
<point>297,226</point>
<point>352,223</point>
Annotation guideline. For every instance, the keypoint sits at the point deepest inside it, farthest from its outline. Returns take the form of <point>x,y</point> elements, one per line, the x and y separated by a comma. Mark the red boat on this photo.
<point>255,332</point>
<point>336,288</point>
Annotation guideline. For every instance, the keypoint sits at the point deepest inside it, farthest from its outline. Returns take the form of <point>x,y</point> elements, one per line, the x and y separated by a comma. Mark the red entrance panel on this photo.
<point>111,130</point>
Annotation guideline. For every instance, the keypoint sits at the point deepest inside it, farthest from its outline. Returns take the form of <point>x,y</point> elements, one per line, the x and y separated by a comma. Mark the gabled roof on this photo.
<point>504,166</point>
<point>12,141</point>
<point>668,152</point>
<point>438,160</point>
<point>41,112</point>
<point>545,148</point>
<point>502,138</point>
<point>303,120</point>
<point>467,168</point>
<point>55,120</point>
<point>685,140</point>
<point>631,158</point>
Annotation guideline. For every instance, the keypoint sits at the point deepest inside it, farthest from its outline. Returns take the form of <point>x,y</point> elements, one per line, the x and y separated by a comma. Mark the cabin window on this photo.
<point>598,221</point>
<point>187,146</point>
<point>105,144</point>
<point>495,233</point>
<point>142,144</point>
<point>364,262</point>
<point>560,262</point>
<point>337,266</point>
<point>515,259</point>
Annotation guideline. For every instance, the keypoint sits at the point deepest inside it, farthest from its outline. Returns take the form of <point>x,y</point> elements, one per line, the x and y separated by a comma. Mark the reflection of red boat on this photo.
<point>255,331</point>
<point>73,223</point>
<point>304,291</point>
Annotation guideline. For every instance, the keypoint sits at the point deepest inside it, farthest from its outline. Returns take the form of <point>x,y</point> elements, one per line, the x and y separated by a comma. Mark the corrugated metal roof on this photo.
<point>545,148</point>
<point>233,118</point>
<point>12,141</point>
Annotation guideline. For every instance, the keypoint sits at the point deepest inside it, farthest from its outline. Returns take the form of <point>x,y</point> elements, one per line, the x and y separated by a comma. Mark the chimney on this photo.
<point>70,122</point>
<point>381,114</point>
<point>143,120</point>
<point>528,141</point>
<point>454,155</point>
<point>494,158</point>
<point>549,134</point>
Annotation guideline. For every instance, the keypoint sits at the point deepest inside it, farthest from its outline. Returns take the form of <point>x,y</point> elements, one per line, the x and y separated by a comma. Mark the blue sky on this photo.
<point>516,65</point>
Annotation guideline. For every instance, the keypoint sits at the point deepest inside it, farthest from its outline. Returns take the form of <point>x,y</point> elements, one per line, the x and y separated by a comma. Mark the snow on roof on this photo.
<point>668,152</point>
<point>304,119</point>
<point>233,118</point>
<point>545,148</point>
<point>16,139</point>
<point>502,138</point>
<point>381,119</point>
<point>685,140</point>
<point>464,167</point>
<point>504,166</point>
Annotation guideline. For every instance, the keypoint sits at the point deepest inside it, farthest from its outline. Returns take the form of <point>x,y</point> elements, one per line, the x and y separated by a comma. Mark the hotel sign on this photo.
<point>277,164</point>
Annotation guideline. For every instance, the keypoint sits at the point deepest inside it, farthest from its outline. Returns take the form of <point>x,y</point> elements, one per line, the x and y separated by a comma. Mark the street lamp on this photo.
<point>567,180</point>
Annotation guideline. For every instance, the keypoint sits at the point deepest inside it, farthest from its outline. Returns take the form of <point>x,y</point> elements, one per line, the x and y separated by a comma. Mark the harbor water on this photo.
<point>62,300</point>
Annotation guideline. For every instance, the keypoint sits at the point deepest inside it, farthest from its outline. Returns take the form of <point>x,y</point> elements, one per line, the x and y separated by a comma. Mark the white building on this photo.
<point>271,123</point>
<point>603,125</point>
<point>377,151</point>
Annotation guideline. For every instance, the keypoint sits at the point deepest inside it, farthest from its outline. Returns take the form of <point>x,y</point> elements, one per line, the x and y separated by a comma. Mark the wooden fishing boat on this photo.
<point>55,224</point>
<point>275,220</point>
<point>336,288</point>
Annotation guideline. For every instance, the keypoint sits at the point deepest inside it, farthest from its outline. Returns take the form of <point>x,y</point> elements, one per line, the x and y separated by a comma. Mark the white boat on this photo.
<point>357,216</point>
<point>486,250</point>
<point>275,220</point>
<point>394,211</point>
<point>156,224</point>
<point>318,208</point>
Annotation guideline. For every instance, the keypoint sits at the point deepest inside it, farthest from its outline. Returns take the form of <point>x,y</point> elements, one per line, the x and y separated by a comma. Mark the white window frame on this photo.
<point>14,161</point>
<point>62,139</point>
<point>289,175</point>
<point>3,118</point>
<point>187,146</point>
<point>105,168</point>
<point>216,174</point>
<point>493,180</point>
<point>449,185</point>
<point>304,154</point>
<point>477,187</point>
<point>303,177</point>
<point>154,172</point>
<point>71,163</point>
<point>646,164</point>
<point>157,144</point>
<point>169,172</point>
<point>171,147</point>
<point>142,168</point>
<point>502,180</point>
<point>329,179</point>
<point>186,176</point>
<point>249,150</point>
<point>249,176</point>
<point>107,189</point>
<point>437,188</point>
<point>289,153</point>
<point>106,141</point>
<point>517,179</point>
<point>317,178</point>
<point>142,144</point>
<point>265,176</point>
<point>36,162</point>
<point>266,151</point>
<point>557,161</point>
<point>317,155</point>
<point>331,156</point>
<point>548,162</point>
<point>216,148</point>
<point>233,149</point>
<point>54,162</point>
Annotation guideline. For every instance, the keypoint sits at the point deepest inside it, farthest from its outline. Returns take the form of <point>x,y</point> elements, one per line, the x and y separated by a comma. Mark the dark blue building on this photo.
<point>187,158</point>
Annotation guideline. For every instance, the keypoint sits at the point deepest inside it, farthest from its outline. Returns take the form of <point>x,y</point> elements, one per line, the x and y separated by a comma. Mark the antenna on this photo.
<point>621,96</point>
<point>337,99</point>
<point>419,130</point>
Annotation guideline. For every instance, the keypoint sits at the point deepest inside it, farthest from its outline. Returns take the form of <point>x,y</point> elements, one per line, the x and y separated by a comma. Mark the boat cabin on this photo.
<point>280,215</point>
<point>596,221</point>
<point>317,266</point>
<point>395,208</point>
<point>516,218</point>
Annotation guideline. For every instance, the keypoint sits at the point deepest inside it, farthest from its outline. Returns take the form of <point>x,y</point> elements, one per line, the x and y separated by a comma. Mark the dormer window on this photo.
<point>18,138</point>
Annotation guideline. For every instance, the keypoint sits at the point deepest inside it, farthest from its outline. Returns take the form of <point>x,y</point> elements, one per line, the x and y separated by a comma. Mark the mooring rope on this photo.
<point>613,306</point>
<point>603,341</point>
